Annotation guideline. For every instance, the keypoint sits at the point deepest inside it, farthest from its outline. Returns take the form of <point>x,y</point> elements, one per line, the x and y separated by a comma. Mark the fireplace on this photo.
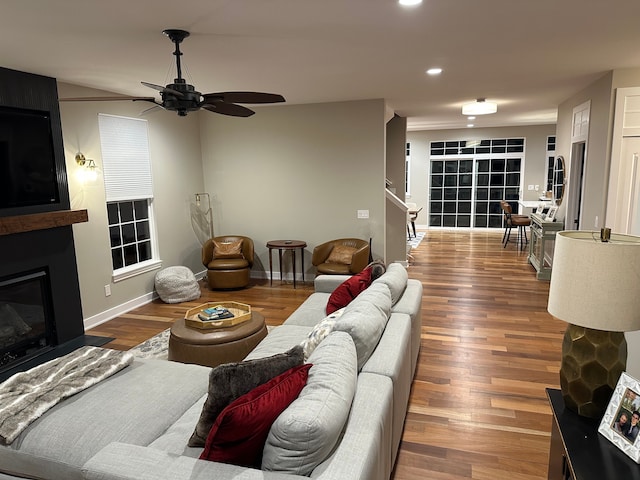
<point>37,251</point>
<point>26,317</point>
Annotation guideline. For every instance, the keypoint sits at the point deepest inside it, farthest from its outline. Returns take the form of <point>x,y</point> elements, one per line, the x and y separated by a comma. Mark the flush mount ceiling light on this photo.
<point>479,107</point>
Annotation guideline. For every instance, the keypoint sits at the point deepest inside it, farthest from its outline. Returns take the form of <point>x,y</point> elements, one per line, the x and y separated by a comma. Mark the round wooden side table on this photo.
<point>286,245</point>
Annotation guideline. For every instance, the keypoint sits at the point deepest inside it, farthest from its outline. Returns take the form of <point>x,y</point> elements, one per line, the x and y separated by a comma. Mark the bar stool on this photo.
<point>511,221</point>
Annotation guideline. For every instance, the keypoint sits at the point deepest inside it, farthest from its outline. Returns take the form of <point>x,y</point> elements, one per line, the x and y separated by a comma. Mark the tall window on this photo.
<point>468,179</point>
<point>129,192</point>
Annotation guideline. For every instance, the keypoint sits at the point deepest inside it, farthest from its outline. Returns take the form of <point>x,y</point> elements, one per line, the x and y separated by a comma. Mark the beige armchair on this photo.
<point>344,256</point>
<point>228,259</point>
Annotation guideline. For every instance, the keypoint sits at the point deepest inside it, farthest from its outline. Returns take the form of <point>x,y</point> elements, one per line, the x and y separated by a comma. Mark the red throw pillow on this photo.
<point>240,431</point>
<point>348,290</point>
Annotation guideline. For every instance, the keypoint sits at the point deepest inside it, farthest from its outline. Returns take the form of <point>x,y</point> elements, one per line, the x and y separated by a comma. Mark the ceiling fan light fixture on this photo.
<point>182,98</point>
<point>479,107</point>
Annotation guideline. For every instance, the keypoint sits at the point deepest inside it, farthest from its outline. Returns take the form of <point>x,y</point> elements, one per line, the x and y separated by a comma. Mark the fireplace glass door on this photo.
<point>25,317</point>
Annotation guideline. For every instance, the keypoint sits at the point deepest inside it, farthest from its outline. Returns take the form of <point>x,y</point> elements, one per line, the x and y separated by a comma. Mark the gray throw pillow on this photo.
<point>365,319</point>
<point>395,278</point>
<point>232,380</point>
<point>308,430</point>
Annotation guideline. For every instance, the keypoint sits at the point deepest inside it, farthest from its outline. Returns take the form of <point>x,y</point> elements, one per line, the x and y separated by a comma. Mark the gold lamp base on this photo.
<point>592,362</point>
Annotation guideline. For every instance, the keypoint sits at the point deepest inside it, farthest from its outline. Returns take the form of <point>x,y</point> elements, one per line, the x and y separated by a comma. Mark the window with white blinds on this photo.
<point>126,163</point>
<point>128,184</point>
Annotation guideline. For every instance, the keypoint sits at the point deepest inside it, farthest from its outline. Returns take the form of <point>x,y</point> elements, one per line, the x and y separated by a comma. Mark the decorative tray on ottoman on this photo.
<point>241,313</point>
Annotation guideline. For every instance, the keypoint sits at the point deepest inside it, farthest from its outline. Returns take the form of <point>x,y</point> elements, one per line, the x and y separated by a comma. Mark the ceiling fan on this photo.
<point>180,97</point>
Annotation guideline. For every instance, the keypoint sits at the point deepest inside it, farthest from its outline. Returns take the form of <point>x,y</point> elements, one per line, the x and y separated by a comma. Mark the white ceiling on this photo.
<point>528,56</point>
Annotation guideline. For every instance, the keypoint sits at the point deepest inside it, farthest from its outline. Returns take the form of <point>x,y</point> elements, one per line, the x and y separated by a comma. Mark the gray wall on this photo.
<point>177,175</point>
<point>290,171</point>
<point>396,219</point>
<point>534,166</point>
<point>297,172</point>
<point>597,161</point>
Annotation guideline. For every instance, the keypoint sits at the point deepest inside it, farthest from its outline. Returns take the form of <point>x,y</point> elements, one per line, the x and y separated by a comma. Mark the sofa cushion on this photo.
<point>227,249</point>
<point>239,433</point>
<point>320,332</point>
<point>306,433</point>
<point>348,290</point>
<point>280,339</point>
<point>231,380</point>
<point>396,279</point>
<point>365,319</point>
<point>311,311</point>
<point>124,407</point>
<point>341,254</point>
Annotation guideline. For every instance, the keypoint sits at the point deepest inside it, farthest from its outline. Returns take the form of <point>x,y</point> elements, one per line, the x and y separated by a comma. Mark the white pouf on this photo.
<point>177,284</point>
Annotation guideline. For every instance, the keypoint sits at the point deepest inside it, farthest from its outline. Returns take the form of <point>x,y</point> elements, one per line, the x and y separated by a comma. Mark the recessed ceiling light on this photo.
<point>469,125</point>
<point>434,71</point>
<point>471,118</point>
<point>409,3</point>
<point>479,107</point>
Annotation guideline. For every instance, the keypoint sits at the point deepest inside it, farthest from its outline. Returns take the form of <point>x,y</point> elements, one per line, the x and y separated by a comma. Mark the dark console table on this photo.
<point>579,452</point>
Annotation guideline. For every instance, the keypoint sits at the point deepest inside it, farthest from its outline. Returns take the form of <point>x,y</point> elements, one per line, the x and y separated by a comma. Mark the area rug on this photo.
<point>415,241</point>
<point>156,347</point>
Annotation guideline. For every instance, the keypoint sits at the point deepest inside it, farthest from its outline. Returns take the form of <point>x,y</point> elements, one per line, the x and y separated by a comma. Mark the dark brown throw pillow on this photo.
<point>227,249</point>
<point>229,381</point>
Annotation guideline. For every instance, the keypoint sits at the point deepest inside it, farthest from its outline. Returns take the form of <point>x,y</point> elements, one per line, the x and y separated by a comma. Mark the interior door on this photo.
<point>630,196</point>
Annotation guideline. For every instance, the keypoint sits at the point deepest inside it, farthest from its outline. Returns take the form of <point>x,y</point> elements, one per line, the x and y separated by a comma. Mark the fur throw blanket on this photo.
<point>27,395</point>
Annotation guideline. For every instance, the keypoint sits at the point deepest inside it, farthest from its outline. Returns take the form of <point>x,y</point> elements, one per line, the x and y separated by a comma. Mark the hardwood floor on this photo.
<point>478,409</point>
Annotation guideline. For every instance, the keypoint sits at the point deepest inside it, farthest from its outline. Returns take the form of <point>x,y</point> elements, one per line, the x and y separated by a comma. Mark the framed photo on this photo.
<point>540,210</point>
<point>621,421</point>
<point>551,214</point>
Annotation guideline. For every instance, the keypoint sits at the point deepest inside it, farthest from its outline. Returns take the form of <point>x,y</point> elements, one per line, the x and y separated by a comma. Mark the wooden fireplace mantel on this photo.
<point>41,221</point>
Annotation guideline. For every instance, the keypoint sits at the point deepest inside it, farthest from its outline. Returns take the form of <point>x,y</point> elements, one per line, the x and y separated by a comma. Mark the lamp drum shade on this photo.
<point>596,284</point>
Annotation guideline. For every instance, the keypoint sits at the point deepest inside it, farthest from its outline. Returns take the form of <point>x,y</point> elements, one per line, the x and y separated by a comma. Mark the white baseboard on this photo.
<point>123,308</point>
<point>118,310</point>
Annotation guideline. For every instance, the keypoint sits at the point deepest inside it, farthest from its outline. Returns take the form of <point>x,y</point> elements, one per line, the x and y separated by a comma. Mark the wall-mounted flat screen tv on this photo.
<point>27,161</point>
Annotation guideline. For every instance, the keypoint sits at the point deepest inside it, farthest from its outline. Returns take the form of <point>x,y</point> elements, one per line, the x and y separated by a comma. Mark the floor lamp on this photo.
<point>595,288</point>
<point>208,212</point>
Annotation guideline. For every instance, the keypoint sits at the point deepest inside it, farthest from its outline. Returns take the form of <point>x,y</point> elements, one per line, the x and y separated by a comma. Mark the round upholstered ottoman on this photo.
<point>177,284</point>
<point>215,346</point>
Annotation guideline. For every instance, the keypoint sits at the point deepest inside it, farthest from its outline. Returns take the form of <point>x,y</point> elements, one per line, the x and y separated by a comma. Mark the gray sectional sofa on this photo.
<point>346,424</point>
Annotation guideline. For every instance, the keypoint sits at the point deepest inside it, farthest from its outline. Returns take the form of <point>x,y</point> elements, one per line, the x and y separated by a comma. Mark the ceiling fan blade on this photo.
<point>244,97</point>
<point>230,109</point>
<point>163,89</point>
<point>105,99</point>
<point>151,109</point>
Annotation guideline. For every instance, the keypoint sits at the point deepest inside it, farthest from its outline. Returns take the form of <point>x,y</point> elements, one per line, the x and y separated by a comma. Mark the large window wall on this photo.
<point>467,181</point>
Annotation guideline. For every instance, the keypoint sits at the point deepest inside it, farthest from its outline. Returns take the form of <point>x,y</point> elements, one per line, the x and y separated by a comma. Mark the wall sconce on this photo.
<point>89,170</point>
<point>208,212</point>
